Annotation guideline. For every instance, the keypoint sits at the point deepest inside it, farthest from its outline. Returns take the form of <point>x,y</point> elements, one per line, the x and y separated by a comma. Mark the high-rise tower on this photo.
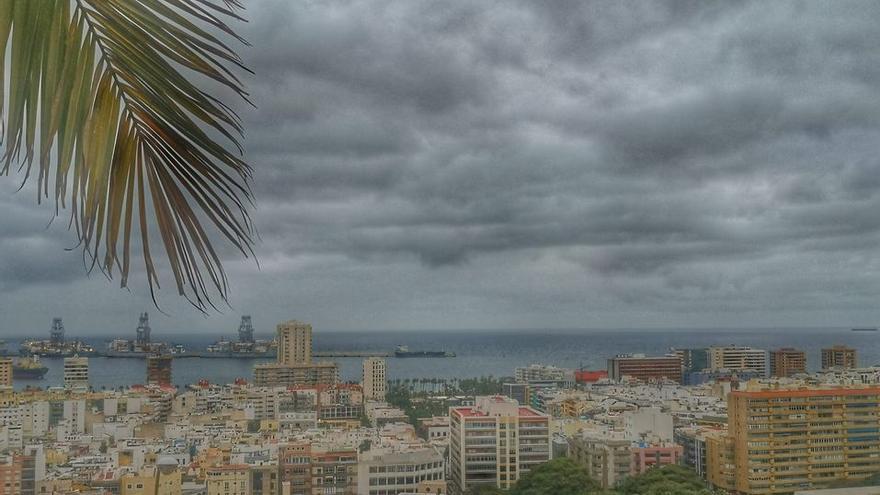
<point>246,330</point>
<point>56,335</point>
<point>143,329</point>
<point>294,343</point>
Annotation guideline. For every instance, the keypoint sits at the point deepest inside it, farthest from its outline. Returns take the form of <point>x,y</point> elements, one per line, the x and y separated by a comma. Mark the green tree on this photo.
<point>560,476</point>
<point>102,101</point>
<point>664,480</point>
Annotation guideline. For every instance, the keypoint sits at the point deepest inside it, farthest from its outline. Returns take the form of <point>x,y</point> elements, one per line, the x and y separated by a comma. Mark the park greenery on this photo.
<point>563,476</point>
<point>426,397</point>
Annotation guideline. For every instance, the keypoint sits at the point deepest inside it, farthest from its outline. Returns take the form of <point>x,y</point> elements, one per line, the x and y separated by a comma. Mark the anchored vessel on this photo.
<point>403,351</point>
<point>141,346</point>
<point>56,346</point>
<point>28,368</point>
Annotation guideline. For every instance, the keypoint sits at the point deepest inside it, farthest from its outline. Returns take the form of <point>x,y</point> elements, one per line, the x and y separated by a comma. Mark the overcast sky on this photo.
<point>505,164</point>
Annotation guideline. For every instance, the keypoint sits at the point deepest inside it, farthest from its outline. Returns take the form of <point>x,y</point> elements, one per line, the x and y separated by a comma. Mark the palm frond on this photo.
<point>101,103</point>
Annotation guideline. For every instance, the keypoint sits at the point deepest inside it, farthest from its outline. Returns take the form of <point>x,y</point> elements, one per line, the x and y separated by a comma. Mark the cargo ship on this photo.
<point>864,329</point>
<point>28,368</point>
<point>403,351</point>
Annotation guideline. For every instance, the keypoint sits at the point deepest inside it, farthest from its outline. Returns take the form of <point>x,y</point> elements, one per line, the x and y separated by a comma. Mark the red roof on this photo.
<point>589,376</point>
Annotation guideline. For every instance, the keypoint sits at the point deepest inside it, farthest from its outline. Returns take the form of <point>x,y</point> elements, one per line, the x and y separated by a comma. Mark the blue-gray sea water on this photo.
<point>478,352</point>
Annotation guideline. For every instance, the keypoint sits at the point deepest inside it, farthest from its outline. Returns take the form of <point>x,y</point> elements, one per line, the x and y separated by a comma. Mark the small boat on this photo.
<point>28,368</point>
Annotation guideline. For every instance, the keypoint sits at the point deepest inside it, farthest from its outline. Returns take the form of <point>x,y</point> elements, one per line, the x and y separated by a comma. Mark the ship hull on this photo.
<point>29,373</point>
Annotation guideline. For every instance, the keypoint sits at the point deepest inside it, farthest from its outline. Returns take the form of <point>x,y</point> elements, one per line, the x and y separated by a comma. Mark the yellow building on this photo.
<point>228,480</point>
<point>162,479</point>
<point>783,440</point>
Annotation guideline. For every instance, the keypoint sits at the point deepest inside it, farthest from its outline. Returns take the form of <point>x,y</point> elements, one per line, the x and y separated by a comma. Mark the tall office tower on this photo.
<point>787,362</point>
<point>838,356</point>
<point>788,440</point>
<point>5,372</point>
<point>294,343</point>
<point>693,359</point>
<point>494,443</point>
<point>159,370</point>
<point>143,329</point>
<point>246,330</point>
<point>738,358</point>
<point>645,368</point>
<point>374,382</point>
<point>76,372</point>
<point>56,335</point>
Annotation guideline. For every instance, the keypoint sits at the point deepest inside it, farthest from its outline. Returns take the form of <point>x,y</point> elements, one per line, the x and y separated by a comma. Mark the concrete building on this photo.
<point>309,469</point>
<point>374,382</point>
<point>782,440</point>
<point>648,455</point>
<point>539,373</point>
<point>787,362</point>
<point>605,455</point>
<point>739,358</point>
<point>76,372</point>
<point>516,391</point>
<point>398,470</point>
<point>162,479</point>
<point>294,366</point>
<point>270,375</point>
<point>648,424</point>
<point>693,359</point>
<point>839,356</point>
<point>294,343</point>
<point>228,480</point>
<point>495,442</point>
<point>5,372</point>
<point>645,368</point>
<point>159,370</point>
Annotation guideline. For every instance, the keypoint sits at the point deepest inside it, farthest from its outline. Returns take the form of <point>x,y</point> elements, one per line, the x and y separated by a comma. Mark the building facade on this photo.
<point>495,442</point>
<point>294,343</point>
<point>159,370</point>
<point>787,362</point>
<point>645,368</point>
<point>739,358</point>
<point>5,372</point>
<point>838,356</point>
<point>76,372</point>
<point>374,382</point>
<point>783,440</point>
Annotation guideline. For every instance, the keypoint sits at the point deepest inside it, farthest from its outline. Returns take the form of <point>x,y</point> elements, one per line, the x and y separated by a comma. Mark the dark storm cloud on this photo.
<point>562,163</point>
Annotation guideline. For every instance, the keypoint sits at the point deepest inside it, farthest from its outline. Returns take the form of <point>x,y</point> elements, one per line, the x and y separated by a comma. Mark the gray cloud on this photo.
<point>487,164</point>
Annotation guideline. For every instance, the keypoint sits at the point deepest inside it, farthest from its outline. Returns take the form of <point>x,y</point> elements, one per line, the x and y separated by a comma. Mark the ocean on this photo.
<point>478,352</point>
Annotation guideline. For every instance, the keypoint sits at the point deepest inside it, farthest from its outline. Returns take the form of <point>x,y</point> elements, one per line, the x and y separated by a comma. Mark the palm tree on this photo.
<point>99,105</point>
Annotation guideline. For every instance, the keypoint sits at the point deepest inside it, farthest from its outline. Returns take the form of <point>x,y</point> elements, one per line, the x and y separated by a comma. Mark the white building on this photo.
<point>76,372</point>
<point>739,358</point>
<point>398,469</point>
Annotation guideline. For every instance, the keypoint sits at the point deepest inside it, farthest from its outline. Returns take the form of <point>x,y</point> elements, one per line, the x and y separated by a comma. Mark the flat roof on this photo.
<point>815,392</point>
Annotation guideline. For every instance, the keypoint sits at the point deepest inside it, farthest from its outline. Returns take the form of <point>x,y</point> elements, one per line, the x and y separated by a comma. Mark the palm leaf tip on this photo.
<point>101,101</point>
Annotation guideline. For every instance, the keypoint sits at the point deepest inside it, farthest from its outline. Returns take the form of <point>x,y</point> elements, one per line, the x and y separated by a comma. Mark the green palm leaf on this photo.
<point>99,104</point>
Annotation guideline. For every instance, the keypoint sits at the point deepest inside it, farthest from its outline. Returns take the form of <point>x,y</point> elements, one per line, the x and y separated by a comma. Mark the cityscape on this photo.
<point>738,419</point>
<point>439,247</point>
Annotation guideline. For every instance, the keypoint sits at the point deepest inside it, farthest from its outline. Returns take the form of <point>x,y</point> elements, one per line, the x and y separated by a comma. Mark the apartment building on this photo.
<point>782,440</point>
<point>228,480</point>
<point>539,373</point>
<point>838,356</point>
<point>390,471</point>
<point>645,368</point>
<point>294,366</point>
<point>739,358</point>
<point>5,372</point>
<point>159,370</point>
<point>787,362</point>
<point>607,456</point>
<point>374,382</point>
<point>495,442</point>
<point>311,469</point>
<point>76,372</point>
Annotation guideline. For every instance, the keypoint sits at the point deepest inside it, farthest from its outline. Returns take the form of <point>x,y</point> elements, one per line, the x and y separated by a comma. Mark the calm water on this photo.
<point>478,352</point>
